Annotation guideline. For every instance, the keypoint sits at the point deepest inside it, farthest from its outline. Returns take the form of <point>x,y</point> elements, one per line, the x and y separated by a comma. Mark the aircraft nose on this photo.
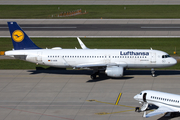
<point>174,61</point>
<point>136,97</point>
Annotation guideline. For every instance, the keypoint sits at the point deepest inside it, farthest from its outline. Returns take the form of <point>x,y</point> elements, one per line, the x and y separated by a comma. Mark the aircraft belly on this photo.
<point>141,66</point>
<point>72,63</point>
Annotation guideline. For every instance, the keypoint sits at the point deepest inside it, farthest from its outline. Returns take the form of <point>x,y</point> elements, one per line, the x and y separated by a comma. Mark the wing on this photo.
<point>160,110</point>
<point>89,65</point>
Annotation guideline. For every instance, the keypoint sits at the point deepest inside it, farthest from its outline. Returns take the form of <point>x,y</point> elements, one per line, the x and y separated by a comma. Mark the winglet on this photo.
<point>83,46</point>
<point>19,38</point>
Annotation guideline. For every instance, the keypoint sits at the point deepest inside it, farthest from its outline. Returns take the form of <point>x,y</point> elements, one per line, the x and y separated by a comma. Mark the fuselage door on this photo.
<point>144,97</point>
<point>107,59</point>
<point>39,57</point>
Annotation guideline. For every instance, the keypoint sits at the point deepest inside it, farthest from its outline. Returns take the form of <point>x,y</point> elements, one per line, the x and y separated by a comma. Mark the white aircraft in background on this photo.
<point>112,61</point>
<point>166,102</point>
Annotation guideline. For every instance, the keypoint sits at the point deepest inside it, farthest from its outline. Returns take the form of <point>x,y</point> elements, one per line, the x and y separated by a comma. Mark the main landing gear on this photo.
<point>153,72</point>
<point>94,75</point>
<point>137,109</point>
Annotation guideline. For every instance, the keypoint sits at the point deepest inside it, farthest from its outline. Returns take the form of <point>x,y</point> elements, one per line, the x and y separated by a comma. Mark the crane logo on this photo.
<point>18,35</point>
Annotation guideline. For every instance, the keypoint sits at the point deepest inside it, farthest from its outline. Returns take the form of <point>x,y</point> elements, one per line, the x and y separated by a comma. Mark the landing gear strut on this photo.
<point>137,109</point>
<point>153,72</point>
<point>95,73</point>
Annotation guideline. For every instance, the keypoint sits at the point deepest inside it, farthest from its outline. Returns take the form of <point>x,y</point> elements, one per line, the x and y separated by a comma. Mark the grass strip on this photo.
<point>93,11</point>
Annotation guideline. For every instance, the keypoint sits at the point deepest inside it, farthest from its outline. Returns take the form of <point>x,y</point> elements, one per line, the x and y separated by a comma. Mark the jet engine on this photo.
<point>114,71</point>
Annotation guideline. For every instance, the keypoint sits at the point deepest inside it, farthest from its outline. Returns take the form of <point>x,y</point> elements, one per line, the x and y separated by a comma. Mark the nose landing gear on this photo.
<point>153,72</point>
<point>137,109</point>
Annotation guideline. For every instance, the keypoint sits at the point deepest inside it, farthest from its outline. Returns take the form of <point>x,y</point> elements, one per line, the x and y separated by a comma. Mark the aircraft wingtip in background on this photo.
<point>83,46</point>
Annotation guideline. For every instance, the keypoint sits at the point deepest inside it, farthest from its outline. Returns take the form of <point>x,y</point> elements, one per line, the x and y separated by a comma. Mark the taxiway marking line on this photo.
<point>114,104</point>
<point>119,96</point>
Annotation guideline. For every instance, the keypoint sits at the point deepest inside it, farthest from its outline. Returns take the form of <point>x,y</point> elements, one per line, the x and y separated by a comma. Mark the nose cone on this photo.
<point>174,61</point>
<point>136,97</point>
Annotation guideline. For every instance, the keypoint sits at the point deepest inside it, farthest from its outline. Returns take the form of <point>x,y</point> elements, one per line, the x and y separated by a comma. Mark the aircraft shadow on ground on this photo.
<point>128,74</point>
<point>99,78</point>
<point>103,77</point>
<point>148,72</point>
<point>169,117</point>
<point>51,70</point>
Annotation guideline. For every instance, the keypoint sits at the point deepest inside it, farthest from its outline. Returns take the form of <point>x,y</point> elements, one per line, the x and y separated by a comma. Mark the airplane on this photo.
<point>166,102</point>
<point>112,61</point>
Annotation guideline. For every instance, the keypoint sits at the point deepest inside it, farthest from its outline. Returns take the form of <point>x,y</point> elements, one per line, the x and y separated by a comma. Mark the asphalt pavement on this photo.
<point>96,27</point>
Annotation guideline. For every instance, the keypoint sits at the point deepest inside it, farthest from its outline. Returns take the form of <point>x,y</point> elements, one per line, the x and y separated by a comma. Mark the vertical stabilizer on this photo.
<point>19,38</point>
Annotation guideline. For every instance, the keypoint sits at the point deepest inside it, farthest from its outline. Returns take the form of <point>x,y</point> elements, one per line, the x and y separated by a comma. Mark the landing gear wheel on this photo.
<point>173,114</point>
<point>137,109</point>
<point>93,76</point>
<point>153,75</point>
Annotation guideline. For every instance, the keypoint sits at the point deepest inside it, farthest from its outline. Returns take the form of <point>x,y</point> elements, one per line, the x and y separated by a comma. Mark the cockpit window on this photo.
<point>140,93</point>
<point>165,56</point>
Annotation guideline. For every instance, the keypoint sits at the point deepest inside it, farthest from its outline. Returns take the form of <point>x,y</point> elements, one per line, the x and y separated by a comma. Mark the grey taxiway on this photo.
<point>72,95</point>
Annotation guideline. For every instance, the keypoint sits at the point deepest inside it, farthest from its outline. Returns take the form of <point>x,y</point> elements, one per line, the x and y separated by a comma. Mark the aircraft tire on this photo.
<point>93,76</point>
<point>153,75</point>
<point>137,109</point>
<point>173,114</point>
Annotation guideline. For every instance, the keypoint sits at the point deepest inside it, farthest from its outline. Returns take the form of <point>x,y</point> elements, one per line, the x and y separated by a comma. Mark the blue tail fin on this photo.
<point>19,38</point>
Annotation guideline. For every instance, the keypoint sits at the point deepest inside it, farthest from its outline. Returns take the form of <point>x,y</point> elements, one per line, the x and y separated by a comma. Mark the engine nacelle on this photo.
<point>114,71</point>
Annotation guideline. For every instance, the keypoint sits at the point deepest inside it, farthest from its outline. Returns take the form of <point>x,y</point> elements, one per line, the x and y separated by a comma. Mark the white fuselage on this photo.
<point>167,100</point>
<point>127,58</point>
